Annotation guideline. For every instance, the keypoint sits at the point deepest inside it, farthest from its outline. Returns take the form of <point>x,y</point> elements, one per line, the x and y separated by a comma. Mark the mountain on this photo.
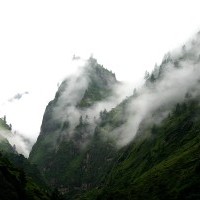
<point>145,147</point>
<point>69,151</point>
<point>162,161</point>
<point>19,178</point>
<point>5,132</point>
<point>16,184</point>
<point>164,165</point>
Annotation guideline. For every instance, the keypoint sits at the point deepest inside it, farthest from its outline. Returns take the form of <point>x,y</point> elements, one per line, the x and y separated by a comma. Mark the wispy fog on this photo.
<point>23,145</point>
<point>178,74</point>
<point>167,85</point>
<point>72,91</point>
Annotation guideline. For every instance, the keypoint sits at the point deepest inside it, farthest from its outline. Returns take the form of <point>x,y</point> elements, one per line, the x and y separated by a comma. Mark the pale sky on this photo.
<point>38,39</point>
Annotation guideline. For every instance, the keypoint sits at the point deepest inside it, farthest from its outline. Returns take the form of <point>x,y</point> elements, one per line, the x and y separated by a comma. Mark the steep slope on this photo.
<point>144,148</point>
<point>4,133</point>
<point>162,166</point>
<point>162,162</point>
<point>31,171</point>
<point>19,178</point>
<point>16,159</point>
<point>6,146</point>
<point>68,150</point>
<point>17,185</point>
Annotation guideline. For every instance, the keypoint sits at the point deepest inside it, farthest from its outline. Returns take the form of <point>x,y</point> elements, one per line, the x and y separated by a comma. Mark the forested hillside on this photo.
<point>97,143</point>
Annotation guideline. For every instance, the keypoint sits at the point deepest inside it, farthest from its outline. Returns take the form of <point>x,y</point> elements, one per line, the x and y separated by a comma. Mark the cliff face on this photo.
<point>68,150</point>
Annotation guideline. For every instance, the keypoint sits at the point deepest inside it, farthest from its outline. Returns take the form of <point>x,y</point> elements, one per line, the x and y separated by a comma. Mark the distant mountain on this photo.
<point>5,132</point>
<point>19,179</point>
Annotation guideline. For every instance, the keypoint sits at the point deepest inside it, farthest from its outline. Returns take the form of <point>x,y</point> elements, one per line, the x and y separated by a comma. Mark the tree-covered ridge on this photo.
<point>71,158</point>
<point>15,184</point>
<point>4,125</point>
<point>137,149</point>
<point>6,146</point>
<point>5,132</point>
<point>162,166</point>
<point>19,179</point>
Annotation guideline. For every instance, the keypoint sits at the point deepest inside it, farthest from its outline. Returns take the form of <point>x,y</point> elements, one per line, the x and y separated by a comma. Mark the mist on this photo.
<point>179,75</point>
<point>17,96</point>
<point>72,90</point>
<point>21,144</point>
<point>168,84</point>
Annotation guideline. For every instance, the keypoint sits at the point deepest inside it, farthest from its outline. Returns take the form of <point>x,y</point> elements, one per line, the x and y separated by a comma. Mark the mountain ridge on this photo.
<point>88,152</point>
<point>70,143</point>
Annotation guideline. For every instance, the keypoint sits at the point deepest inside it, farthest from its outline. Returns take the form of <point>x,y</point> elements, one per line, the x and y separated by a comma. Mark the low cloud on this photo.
<point>179,74</point>
<point>167,85</point>
<point>71,93</point>
<point>22,144</point>
<point>17,96</point>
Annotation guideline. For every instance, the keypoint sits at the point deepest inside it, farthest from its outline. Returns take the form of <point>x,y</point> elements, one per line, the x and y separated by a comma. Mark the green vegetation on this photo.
<point>163,166</point>
<point>101,82</point>
<point>77,162</point>
<point>93,94</point>
<point>4,125</point>
<point>77,167</point>
<point>5,145</point>
<point>20,180</point>
<point>6,131</point>
<point>15,184</point>
<point>162,162</point>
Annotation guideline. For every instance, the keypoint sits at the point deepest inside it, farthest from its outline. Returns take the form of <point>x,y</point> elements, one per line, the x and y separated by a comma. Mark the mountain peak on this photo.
<point>90,84</point>
<point>99,72</point>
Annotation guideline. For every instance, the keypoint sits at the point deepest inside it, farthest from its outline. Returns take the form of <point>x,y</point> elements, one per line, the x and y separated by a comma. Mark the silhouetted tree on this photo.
<point>178,109</point>
<point>147,75</point>
<point>134,92</point>
<point>10,126</point>
<point>152,78</point>
<point>4,118</point>
<point>81,120</point>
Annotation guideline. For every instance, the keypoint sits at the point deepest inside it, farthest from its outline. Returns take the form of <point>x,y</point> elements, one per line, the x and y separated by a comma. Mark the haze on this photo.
<point>38,40</point>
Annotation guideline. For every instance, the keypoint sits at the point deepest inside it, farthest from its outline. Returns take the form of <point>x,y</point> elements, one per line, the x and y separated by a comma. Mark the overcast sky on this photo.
<point>38,39</point>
